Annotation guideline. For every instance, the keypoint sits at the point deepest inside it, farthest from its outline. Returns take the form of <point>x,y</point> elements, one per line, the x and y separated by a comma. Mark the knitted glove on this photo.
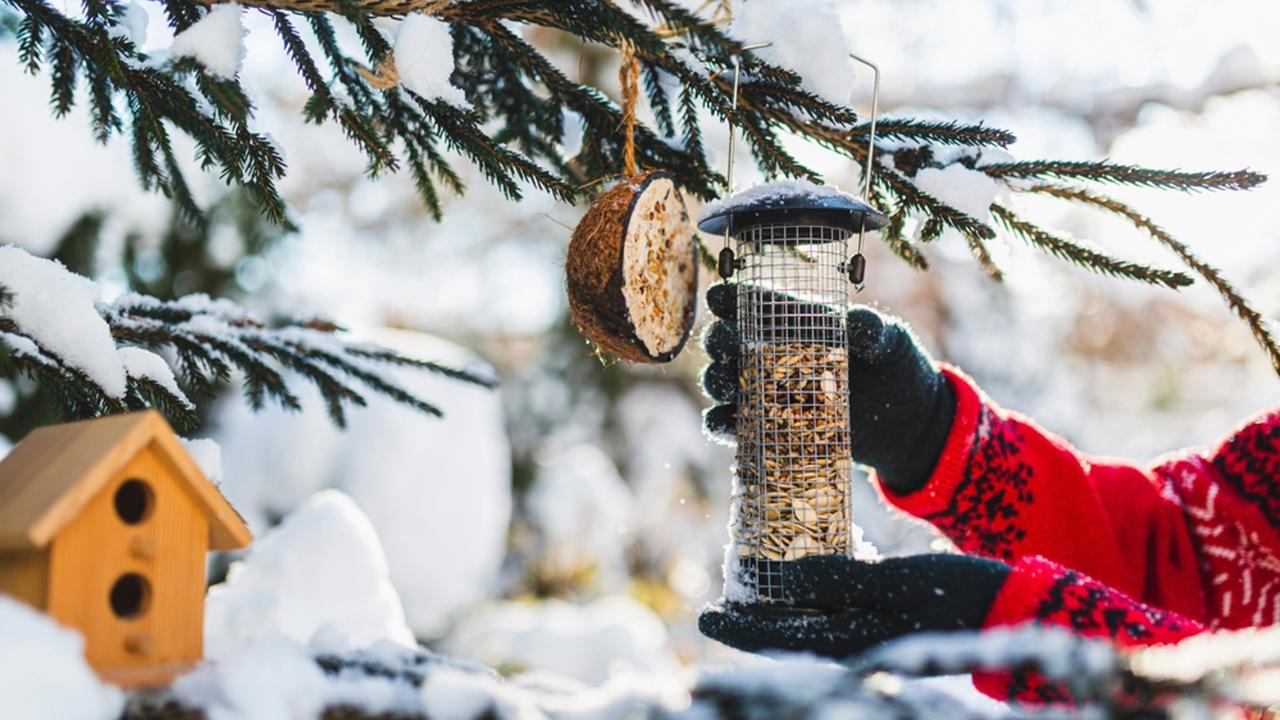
<point>900,406</point>
<point>865,604</point>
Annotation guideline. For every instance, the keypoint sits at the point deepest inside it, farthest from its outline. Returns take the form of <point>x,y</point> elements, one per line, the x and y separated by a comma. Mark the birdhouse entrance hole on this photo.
<point>133,501</point>
<point>129,596</point>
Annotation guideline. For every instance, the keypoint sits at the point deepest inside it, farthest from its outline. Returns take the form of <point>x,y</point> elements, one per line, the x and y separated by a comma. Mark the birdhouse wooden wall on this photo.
<point>130,570</point>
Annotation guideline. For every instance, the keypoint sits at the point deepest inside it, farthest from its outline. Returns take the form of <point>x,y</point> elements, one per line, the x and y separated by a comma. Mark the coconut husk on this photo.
<point>596,272</point>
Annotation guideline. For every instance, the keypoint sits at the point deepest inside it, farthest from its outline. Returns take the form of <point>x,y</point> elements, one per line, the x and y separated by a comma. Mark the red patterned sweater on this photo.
<point>1102,546</point>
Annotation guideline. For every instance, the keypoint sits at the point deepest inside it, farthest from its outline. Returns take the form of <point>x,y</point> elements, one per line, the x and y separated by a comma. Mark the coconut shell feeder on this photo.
<point>631,271</point>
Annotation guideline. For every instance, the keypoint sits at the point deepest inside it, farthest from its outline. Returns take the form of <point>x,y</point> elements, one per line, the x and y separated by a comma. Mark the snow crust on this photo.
<point>807,37</point>
<point>43,673</point>
<point>216,41</point>
<point>323,566</point>
<point>55,308</point>
<point>424,59</point>
<point>771,192</point>
<point>139,364</point>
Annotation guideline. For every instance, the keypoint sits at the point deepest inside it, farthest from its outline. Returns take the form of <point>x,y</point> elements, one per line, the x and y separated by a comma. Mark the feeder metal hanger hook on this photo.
<point>727,262</point>
<point>858,263</point>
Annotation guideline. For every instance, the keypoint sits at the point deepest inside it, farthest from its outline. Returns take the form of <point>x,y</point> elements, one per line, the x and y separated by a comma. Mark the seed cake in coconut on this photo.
<point>632,270</point>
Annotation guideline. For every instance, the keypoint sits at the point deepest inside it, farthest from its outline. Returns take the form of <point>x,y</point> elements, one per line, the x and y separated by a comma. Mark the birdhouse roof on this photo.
<point>49,477</point>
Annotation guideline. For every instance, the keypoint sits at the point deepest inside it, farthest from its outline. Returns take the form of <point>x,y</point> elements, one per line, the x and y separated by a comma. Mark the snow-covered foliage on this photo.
<point>424,59</point>
<point>55,309</point>
<point>588,643</point>
<point>43,673</point>
<point>60,331</point>
<point>216,41</point>
<point>438,493</point>
<point>323,567</point>
<point>807,37</point>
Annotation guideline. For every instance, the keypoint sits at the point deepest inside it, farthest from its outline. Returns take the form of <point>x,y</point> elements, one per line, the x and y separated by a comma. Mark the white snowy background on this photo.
<point>570,523</point>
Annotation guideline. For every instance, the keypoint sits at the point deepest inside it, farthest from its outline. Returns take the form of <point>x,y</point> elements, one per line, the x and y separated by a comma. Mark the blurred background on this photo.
<point>578,507</point>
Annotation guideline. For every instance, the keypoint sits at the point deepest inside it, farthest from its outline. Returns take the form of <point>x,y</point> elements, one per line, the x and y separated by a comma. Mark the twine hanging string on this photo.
<point>629,78</point>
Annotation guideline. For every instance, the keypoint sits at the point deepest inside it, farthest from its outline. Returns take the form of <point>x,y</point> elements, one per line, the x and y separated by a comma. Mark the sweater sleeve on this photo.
<point>1197,533</point>
<point>1044,592</point>
<point>1006,488</point>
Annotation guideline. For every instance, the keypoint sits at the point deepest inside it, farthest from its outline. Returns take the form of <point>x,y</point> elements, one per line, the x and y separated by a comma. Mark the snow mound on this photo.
<point>588,643</point>
<point>772,192</point>
<point>216,41</point>
<point>323,566</point>
<point>55,308</point>
<point>807,37</point>
<point>435,489</point>
<point>584,511</point>
<point>43,673</point>
<point>424,59</point>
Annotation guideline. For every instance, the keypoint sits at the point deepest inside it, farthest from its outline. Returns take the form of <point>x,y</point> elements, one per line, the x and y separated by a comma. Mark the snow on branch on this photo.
<point>102,357</point>
<point>459,76</point>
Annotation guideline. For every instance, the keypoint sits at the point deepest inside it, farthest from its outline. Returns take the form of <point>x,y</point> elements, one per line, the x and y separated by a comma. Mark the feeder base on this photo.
<point>775,610</point>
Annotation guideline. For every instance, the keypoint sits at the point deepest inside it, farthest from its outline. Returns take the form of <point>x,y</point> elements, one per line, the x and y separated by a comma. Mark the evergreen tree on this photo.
<point>518,101</point>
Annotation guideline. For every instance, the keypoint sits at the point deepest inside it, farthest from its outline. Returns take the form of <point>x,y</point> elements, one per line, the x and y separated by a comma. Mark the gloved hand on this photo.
<point>866,603</point>
<point>900,406</point>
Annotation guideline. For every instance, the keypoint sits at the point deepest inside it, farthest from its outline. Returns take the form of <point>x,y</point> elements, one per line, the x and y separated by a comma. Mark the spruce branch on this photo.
<point>1259,325</point>
<point>1106,172</point>
<point>209,342</point>
<point>937,133</point>
<point>1084,256</point>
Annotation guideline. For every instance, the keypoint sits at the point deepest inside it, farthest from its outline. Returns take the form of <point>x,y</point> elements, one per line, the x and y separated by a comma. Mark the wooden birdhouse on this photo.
<point>105,525</point>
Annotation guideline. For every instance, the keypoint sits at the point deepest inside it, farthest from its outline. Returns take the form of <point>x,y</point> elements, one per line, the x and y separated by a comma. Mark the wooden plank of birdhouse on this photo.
<point>24,574</point>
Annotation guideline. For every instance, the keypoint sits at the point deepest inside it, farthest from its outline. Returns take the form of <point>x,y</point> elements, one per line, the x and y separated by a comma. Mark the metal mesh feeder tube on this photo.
<point>792,486</point>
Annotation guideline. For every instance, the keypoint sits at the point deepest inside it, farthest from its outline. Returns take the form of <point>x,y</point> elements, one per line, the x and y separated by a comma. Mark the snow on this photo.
<point>208,456</point>
<point>435,489</point>
<point>585,512</point>
<point>274,678</point>
<point>131,24</point>
<point>216,41</point>
<point>140,364</point>
<point>43,673</point>
<point>807,37</point>
<point>588,643</point>
<point>323,566</point>
<point>969,191</point>
<point>424,59</point>
<point>571,140</point>
<point>55,308</point>
<point>769,192</point>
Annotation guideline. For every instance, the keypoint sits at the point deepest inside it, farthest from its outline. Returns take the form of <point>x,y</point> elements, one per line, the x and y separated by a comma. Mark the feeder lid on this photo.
<point>789,202</point>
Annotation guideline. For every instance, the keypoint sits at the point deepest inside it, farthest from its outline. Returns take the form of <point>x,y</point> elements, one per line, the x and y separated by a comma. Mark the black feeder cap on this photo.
<point>838,211</point>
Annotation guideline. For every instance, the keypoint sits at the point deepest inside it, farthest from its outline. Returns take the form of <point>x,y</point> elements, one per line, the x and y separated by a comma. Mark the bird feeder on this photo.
<point>794,276</point>
<point>792,491</point>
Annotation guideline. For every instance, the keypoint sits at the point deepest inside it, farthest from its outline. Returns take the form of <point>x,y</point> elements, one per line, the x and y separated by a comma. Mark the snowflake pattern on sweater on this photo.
<point>1110,549</point>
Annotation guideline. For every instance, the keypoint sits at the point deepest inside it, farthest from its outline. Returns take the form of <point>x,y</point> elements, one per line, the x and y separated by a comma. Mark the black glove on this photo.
<point>865,603</point>
<point>900,406</point>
